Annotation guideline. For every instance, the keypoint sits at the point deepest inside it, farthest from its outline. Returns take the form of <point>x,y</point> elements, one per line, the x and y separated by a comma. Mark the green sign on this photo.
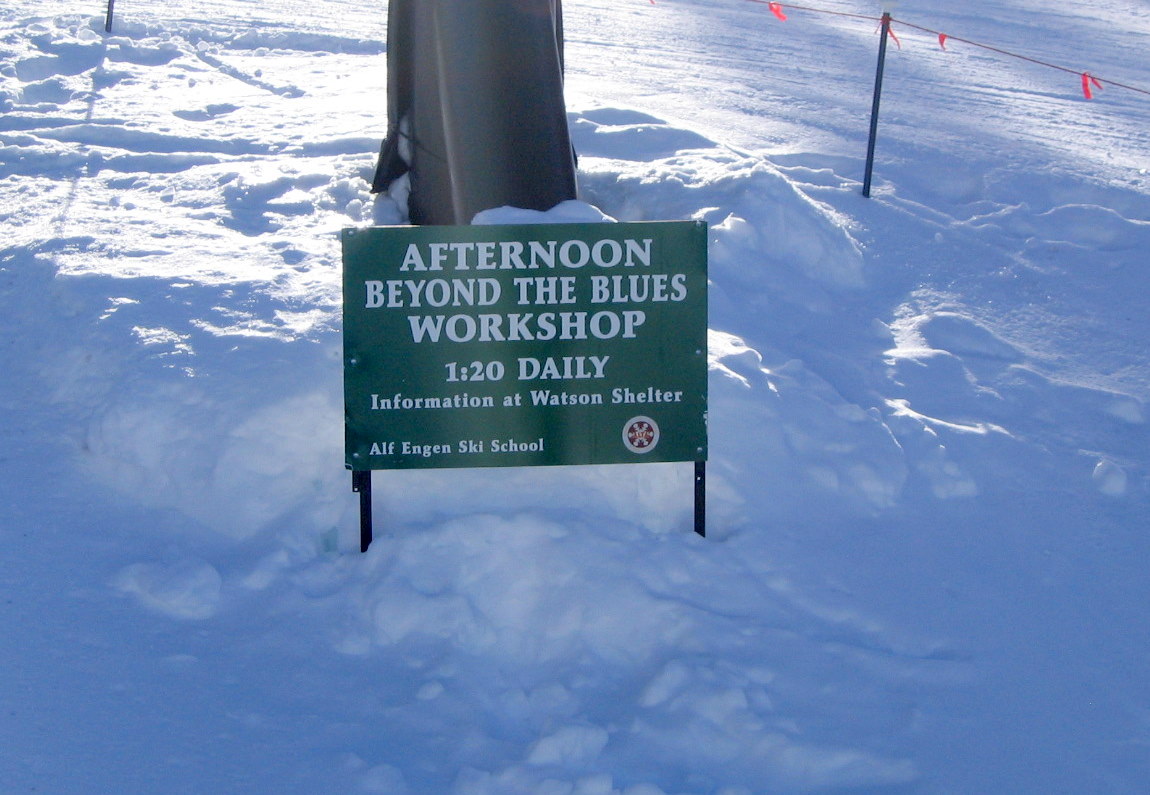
<point>525,345</point>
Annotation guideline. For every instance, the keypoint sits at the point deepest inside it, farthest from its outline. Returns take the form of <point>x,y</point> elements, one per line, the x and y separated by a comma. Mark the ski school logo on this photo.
<point>640,435</point>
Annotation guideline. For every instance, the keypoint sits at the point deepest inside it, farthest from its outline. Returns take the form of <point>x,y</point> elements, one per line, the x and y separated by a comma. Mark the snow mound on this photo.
<point>928,474</point>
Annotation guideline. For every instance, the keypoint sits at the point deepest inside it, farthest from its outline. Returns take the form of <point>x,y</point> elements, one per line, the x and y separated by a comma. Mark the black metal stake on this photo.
<point>701,498</point>
<point>108,18</point>
<point>874,106</point>
<point>361,484</point>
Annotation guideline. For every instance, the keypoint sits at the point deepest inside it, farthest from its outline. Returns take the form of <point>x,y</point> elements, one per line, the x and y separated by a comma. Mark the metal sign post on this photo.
<point>361,484</point>
<point>701,498</point>
<point>883,36</point>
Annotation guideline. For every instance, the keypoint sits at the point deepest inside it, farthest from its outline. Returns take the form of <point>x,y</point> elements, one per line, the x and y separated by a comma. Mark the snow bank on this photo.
<point>928,474</point>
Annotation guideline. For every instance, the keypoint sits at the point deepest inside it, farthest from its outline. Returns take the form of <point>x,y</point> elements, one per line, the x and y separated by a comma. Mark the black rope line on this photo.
<point>1027,58</point>
<point>943,36</point>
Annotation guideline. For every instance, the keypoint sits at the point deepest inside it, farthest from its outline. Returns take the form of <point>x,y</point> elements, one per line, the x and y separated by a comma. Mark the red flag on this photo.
<point>777,10</point>
<point>1088,80</point>
<point>890,31</point>
<point>942,37</point>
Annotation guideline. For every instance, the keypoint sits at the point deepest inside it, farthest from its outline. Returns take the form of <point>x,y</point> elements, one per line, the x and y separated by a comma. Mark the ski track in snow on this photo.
<point>928,475</point>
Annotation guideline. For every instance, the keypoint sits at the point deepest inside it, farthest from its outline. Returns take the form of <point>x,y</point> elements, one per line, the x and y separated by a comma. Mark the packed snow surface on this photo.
<point>926,568</point>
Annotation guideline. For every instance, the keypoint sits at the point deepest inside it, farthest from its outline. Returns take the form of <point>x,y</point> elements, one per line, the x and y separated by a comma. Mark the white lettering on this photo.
<point>545,326</point>
<point>438,255</point>
<point>583,254</point>
<point>563,368</point>
<point>413,259</point>
<point>616,253</point>
<point>374,294</point>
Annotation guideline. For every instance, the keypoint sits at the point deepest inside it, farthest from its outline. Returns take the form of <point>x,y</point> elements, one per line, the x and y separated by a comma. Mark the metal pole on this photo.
<point>361,484</point>
<point>874,106</point>
<point>108,18</point>
<point>701,498</point>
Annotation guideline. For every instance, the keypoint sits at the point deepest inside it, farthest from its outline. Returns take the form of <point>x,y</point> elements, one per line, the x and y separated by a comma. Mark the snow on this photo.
<point>926,562</point>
